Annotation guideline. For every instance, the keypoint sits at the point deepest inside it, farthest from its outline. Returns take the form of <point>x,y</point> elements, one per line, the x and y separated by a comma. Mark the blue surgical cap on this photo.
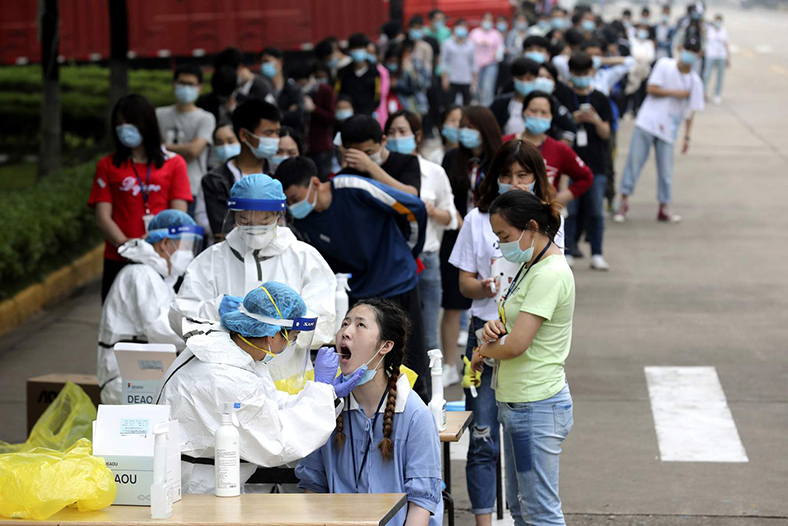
<point>257,186</point>
<point>288,301</point>
<point>165,220</point>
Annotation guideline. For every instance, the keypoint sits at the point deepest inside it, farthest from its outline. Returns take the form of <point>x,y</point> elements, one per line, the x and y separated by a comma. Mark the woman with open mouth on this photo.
<point>393,444</point>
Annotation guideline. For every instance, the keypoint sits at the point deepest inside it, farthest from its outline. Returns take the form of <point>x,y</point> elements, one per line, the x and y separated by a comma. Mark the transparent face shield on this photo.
<point>251,224</point>
<point>182,244</point>
<point>290,369</point>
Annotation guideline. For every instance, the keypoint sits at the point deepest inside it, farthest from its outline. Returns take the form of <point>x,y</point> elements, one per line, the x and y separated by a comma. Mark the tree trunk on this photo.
<point>51,136</point>
<point>118,59</point>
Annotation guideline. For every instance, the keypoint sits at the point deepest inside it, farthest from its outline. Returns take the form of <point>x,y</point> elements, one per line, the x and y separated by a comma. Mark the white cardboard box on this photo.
<point>122,435</point>
<point>142,367</point>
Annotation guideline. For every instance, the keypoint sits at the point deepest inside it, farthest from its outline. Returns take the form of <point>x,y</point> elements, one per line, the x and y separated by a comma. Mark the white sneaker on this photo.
<point>450,375</point>
<point>570,260</point>
<point>462,341</point>
<point>599,263</point>
<point>718,100</point>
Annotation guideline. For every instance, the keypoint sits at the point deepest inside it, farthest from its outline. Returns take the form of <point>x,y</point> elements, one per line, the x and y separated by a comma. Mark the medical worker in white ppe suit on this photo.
<point>257,249</point>
<point>225,366</point>
<point>137,305</point>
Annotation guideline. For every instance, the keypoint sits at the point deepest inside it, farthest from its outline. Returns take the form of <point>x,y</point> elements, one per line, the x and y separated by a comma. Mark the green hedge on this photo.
<point>45,227</point>
<point>84,101</point>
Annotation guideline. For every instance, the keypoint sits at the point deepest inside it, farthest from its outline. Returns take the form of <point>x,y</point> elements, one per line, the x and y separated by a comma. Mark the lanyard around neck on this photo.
<point>517,279</point>
<point>357,473</point>
<point>143,187</point>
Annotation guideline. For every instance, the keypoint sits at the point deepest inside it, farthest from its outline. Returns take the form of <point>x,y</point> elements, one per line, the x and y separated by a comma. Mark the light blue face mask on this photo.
<point>487,25</point>
<point>415,34</point>
<point>544,25</point>
<point>392,67</point>
<point>538,125</point>
<point>557,23</point>
<point>276,160</point>
<point>588,25</point>
<point>461,31</point>
<point>524,88</point>
<point>452,133</point>
<point>225,152</point>
<point>128,135</point>
<point>581,82</point>
<point>520,25</point>
<point>343,115</point>
<point>358,55</point>
<point>643,34</point>
<point>470,138</point>
<point>688,57</point>
<point>303,208</point>
<point>512,252</point>
<point>596,61</point>
<point>368,374</point>
<point>186,94</point>
<point>402,144</point>
<point>505,187</point>
<point>266,146</point>
<point>544,84</point>
<point>372,58</point>
<point>536,56</point>
<point>268,69</point>
<point>502,27</point>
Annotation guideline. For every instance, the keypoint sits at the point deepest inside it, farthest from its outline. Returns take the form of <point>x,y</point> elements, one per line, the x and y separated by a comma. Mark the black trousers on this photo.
<point>462,89</point>
<point>416,351</point>
<point>111,270</point>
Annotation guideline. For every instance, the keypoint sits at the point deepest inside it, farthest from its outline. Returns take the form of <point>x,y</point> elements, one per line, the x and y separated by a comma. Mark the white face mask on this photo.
<point>179,261</point>
<point>258,236</point>
<point>377,157</point>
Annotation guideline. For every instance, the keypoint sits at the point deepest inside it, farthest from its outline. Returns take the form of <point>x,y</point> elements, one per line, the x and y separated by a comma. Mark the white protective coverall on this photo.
<point>227,268</point>
<point>136,310</point>
<point>275,428</point>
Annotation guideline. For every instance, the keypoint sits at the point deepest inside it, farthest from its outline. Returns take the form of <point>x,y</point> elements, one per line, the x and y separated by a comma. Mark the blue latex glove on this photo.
<point>342,387</point>
<point>326,365</point>
<point>229,304</point>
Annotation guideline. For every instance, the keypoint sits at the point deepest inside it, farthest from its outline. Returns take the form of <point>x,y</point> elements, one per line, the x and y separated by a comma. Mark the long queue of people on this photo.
<point>452,173</point>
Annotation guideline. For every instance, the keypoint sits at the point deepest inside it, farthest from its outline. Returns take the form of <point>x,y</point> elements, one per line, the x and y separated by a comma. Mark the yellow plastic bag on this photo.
<point>69,418</point>
<point>38,483</point>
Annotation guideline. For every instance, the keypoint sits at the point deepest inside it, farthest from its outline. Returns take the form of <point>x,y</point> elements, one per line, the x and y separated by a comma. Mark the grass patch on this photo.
<point>17,176</point>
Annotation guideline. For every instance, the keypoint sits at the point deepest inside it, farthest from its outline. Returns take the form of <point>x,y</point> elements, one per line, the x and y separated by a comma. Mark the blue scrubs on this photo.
<point>415,468</point>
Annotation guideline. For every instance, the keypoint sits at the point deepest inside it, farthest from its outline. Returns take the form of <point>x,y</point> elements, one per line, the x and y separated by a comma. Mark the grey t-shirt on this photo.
<point>183,128</point>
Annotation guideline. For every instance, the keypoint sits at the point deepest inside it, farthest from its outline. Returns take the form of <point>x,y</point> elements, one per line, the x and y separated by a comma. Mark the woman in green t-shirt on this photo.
<point>530,341</point>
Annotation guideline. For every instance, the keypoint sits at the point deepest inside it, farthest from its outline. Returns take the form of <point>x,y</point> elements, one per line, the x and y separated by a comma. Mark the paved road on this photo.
<point>708,292</point>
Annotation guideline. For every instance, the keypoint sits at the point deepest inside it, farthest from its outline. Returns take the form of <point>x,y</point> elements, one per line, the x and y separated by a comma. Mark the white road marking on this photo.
<point>692,417</point>
<point>764,49</point>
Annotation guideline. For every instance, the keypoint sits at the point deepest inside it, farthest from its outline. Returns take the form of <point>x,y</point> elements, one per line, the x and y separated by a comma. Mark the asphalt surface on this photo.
<point>710,291</point>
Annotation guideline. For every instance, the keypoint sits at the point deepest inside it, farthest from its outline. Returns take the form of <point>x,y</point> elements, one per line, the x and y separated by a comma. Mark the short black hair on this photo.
<point>188,69</point>
<point>391,29</point>
<point>645,11</point>
<point>361,128</point>
<point>539,95</point>
<point>435,12</point>
<point>574,37</point>
<point>287,131</point>
<point>626,12</point>
<point>324,49</point>
<point>580,62</point>
<point>344,97</point>
<point>416,20</point>
<point>594,42</point>
<point>248,115</point>
<point>460,22</point>
<point>577,17</point>
<point>272,52</point>
<point>224,81</point>
<point>525,66</point>
<point>357,40</point>
<point>692,44</point>
<point>536,41</point>
<point>301,70</point>
<point>231,56</point>
<point>296,171</point>
<point>551,69</point>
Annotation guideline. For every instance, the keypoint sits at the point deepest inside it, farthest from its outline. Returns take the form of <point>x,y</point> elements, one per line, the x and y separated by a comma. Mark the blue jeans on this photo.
<point>711,64</point>
<point>484,445</point>
<point>488,76</point>
<point>639,148</point>
<point>431,294</point>
<point>591,204</point>
<point>532,437</point>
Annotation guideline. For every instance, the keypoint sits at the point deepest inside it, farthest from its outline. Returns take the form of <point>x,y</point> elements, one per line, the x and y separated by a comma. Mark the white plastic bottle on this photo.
<point>342,301</point>
<point>437,402</point>
<point>160,492</point>
<point>227,454</point>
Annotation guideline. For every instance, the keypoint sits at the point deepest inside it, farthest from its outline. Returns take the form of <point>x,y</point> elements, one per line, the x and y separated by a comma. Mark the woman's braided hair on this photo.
<point>394,325</point>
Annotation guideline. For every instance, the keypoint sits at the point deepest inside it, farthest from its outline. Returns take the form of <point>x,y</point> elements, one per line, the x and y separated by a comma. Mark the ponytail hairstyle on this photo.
<point>526,155</point>
<point>394,325</point>
<point>519,208</point>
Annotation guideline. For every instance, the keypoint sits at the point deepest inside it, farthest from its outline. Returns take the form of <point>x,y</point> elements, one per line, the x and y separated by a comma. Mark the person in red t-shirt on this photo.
<point>559,158</point>
<point>136,182</point>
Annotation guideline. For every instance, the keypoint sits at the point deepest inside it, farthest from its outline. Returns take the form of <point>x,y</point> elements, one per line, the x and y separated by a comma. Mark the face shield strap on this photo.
<point>297,324</point>
<point>261,205</point>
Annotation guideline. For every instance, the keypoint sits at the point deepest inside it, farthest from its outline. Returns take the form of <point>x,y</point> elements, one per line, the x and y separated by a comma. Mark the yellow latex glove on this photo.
<point>470,379</point>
